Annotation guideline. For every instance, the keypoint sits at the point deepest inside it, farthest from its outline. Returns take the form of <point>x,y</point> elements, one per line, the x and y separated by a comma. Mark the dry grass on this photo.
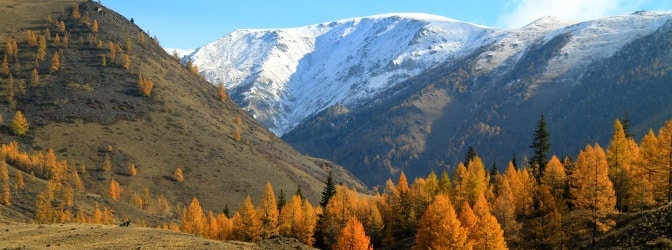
<point>85,111</point>
<point>85,236</point>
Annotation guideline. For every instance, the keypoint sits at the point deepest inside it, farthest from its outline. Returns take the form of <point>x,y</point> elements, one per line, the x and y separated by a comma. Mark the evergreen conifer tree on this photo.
<point>329,190</point>
<point>541,147</point>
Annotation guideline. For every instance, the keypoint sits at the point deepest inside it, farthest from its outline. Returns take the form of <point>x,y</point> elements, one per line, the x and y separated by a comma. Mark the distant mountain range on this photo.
<point>413,91</point>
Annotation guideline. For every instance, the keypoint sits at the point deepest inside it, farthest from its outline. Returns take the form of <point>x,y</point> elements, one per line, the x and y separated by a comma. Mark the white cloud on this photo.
<point>519,13</point>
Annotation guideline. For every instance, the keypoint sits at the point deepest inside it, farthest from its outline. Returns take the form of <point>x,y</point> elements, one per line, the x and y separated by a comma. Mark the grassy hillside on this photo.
<point>87,111</point>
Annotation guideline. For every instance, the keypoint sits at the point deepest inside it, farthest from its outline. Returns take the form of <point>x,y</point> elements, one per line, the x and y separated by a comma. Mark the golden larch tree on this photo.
<point>34,78</point>
<point>94,26</point>
<point>213,226</point>
<point>439,227</point>
<point>547,230</point>
<point>225,226</point>
<point>113,51</point>
<point>127,62</point>
<point>664,193</point>
<point>31,38</point>
<point>20,183</point>
<point>55,62</point>
<point>402,184</point>
<point>12,48</point>
<point>309,223</point>
<point>4,68</point>
<point>469,222</point>
<point>460,179</point>
<point>6,190</point>
<point>137,200</point>
<point>43,208</point>
<point>646,171</point>
<point>291,218</point>
<point>503,208</point>
<point>268,213</point>
<point>221,92</point>
<point>592,193</point>
<point>489,233</point>
<point>620,161</point>
<point>144,85</point>
<point>114,190</point>
<point>61,27</point>
<point>132,170</point>
<point>177,175</point>
<point>554,177</point>
<point>476,182</point>
<point>42,48</point>
<point>19,124</point>
<point>353,237</point>
<point>193,218</point>
<point>103,61</point>
<point>162,205</point>
<point>75,12</point>
<point>250,229</point>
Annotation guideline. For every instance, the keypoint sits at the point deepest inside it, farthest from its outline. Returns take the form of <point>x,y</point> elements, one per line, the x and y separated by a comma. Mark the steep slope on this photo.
<point>283,76</point>
<point>88,111</point>
<point>581,77</point>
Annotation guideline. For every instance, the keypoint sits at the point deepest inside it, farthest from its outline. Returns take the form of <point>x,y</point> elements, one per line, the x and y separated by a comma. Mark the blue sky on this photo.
<point>191,24</point>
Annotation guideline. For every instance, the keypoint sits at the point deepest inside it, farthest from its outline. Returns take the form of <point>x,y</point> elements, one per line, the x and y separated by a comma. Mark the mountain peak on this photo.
<point>547,23</point>
<point>300,71</point>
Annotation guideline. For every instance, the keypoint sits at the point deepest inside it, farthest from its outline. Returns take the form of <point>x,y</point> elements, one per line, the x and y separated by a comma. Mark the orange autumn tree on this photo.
<point>592,193</point>
<point>489,234</point>
<point>353,237</point>
<point>19,124</point>
<point>178,176</point>
<point>439,227</point>
<point>193,219</point>
<point>620,160</point>
<point>248,226</point>
<point>4,68</point>
<point>4,179</point>
<point>145,86</point>
<point>55,62</point>
<point>469,222</point>
<point>114,190</point>
<point>268,213</point>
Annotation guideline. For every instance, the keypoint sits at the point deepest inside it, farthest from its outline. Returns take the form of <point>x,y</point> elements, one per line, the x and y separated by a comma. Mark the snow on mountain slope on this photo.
<point>598,39</point>
<point>179,52</point>
<point>283,76</point>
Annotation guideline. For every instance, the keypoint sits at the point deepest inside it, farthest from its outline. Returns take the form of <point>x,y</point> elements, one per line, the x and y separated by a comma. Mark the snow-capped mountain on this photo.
<point>283,76</point>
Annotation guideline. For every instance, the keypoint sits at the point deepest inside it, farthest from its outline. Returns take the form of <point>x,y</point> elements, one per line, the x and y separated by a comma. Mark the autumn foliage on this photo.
<point>145,85</point>
<point>352,237</point>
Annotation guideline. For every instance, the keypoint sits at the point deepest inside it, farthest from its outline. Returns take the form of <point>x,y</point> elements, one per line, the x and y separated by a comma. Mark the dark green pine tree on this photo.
<point>226,210</point>
<point>298,191</point>
<point>471,154</point>
<point>541,147</point>
<point>626,124</point>
<point>514,160</point>
<point>281,199</point>
<point>329,190</point>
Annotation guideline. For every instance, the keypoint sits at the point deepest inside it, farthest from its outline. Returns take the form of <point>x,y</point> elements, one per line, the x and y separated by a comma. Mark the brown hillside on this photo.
<point>87,110</point>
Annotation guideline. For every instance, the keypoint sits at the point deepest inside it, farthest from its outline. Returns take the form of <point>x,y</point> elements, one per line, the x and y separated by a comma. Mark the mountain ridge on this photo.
<point>476,70</point>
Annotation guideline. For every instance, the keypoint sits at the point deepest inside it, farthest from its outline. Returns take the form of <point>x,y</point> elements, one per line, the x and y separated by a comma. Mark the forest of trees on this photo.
<point>571,201</point>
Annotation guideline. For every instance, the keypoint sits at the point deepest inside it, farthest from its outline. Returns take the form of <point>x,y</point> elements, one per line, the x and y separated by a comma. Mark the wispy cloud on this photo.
<point>518,13</point>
